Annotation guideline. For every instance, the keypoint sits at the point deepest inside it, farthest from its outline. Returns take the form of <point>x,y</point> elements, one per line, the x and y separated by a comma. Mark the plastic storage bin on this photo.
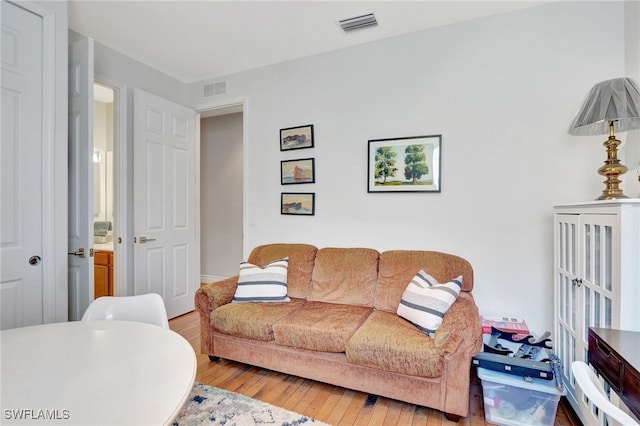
<point>510,400</point>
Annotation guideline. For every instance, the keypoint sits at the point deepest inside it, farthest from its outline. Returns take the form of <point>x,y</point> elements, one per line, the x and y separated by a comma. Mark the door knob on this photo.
<point>143,239</point>
<point>80,253</point>
<point>34,260</point>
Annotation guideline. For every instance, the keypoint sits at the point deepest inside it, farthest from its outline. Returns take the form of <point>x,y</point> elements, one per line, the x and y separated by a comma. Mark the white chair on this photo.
<point>592,388</point>
<point>147,308</point>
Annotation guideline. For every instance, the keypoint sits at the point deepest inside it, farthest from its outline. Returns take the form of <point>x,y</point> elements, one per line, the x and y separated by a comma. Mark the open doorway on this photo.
<point>221,192</point>
<point>104,135</point>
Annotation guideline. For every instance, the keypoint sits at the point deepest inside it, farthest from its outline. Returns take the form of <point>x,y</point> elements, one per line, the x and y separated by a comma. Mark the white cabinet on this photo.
<point>597,278</point>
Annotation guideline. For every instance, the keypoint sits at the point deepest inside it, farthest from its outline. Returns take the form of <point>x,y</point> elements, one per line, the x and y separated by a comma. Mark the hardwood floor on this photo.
<point>330,404</point>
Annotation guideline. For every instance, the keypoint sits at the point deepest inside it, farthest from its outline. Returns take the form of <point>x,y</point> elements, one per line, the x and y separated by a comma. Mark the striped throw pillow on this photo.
<point>268,284</point>
<point>425,301</point>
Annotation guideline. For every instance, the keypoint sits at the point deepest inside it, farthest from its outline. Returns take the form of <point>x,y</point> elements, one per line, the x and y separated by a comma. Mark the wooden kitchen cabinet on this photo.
<point>103,273</point>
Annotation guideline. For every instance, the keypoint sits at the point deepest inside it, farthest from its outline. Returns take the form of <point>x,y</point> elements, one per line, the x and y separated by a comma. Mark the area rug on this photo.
<point>208,405</point>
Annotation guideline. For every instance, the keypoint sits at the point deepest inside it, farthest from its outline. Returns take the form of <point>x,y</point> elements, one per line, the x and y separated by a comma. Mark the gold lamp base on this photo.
<point>612,169</point>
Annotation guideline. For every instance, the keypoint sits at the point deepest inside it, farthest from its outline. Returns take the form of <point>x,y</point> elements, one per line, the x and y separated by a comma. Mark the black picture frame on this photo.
<point>301,170</point>
<point>298,203</point>
<point>299,137</point>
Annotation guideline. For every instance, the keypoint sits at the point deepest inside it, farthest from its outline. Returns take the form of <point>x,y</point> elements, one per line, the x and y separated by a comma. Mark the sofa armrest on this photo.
<point>460,330</point>
<point>209,297</point>
<point>216,294</point>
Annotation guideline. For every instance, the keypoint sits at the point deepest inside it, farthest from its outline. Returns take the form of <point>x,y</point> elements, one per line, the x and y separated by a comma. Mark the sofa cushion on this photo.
<point>301,259</point>
<point>425,301</point>
<point>268,284</point>
<point>397,268</point>
<point>319,326</point>
<point>251,320</point>
<point>388,342</point>
<point>345,275</point>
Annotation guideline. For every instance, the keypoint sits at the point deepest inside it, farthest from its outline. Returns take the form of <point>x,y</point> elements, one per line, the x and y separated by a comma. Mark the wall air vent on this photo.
<point>358,22</point>
<point>215,89</point>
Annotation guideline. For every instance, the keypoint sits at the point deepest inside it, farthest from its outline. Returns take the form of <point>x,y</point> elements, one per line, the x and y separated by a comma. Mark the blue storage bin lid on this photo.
<point>546,386</point>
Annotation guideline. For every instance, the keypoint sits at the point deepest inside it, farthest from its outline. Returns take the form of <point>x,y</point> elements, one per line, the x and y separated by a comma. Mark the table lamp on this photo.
<point>611,105</point>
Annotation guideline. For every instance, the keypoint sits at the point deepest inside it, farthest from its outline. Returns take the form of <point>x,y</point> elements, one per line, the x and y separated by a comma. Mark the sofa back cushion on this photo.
<point>345,275</point>
<point>398,267</point>
<point>301,260</point>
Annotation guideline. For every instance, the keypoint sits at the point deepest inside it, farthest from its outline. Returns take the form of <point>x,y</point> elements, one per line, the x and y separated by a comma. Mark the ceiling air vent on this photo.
<point>358,22</point>
<point>215,89</point>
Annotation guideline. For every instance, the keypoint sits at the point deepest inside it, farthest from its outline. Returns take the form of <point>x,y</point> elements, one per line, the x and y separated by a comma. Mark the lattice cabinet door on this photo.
<point>597,280</point>
<point>566,290</point>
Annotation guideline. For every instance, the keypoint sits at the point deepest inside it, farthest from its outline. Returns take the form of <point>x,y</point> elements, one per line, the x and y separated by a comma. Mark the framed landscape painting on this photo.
<point>296,137</point>
<point>408,164</point>
<point>301,203</point>
<point>297,171</point>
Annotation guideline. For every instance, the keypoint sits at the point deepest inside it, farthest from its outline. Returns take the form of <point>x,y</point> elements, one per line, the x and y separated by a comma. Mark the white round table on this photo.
<point>94,373</point>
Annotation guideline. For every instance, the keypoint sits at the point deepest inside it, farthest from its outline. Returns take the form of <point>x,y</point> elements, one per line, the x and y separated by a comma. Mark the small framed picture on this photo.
<point>296,137</point>
<point>300,203</point>
<point>297,171</point>
<point>408,164</point>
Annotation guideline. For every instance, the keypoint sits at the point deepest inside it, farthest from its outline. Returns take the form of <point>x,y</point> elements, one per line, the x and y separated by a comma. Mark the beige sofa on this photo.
<point>341,325</point>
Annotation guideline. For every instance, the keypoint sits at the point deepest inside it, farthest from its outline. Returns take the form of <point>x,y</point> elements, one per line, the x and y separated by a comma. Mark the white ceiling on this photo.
<point>197,40</point>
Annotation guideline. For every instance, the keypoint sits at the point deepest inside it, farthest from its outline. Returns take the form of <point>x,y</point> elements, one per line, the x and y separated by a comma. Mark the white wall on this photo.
<point>99,170</point>
<point>103,171</point>
<point>220,196</point>
<point>631,140</point>
<point>501,90</point>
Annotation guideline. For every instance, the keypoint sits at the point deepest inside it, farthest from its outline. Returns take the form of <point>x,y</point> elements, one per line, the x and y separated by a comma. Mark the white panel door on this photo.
<point>165,201</point>
<point>21,157</point>
<point>80,177</point>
